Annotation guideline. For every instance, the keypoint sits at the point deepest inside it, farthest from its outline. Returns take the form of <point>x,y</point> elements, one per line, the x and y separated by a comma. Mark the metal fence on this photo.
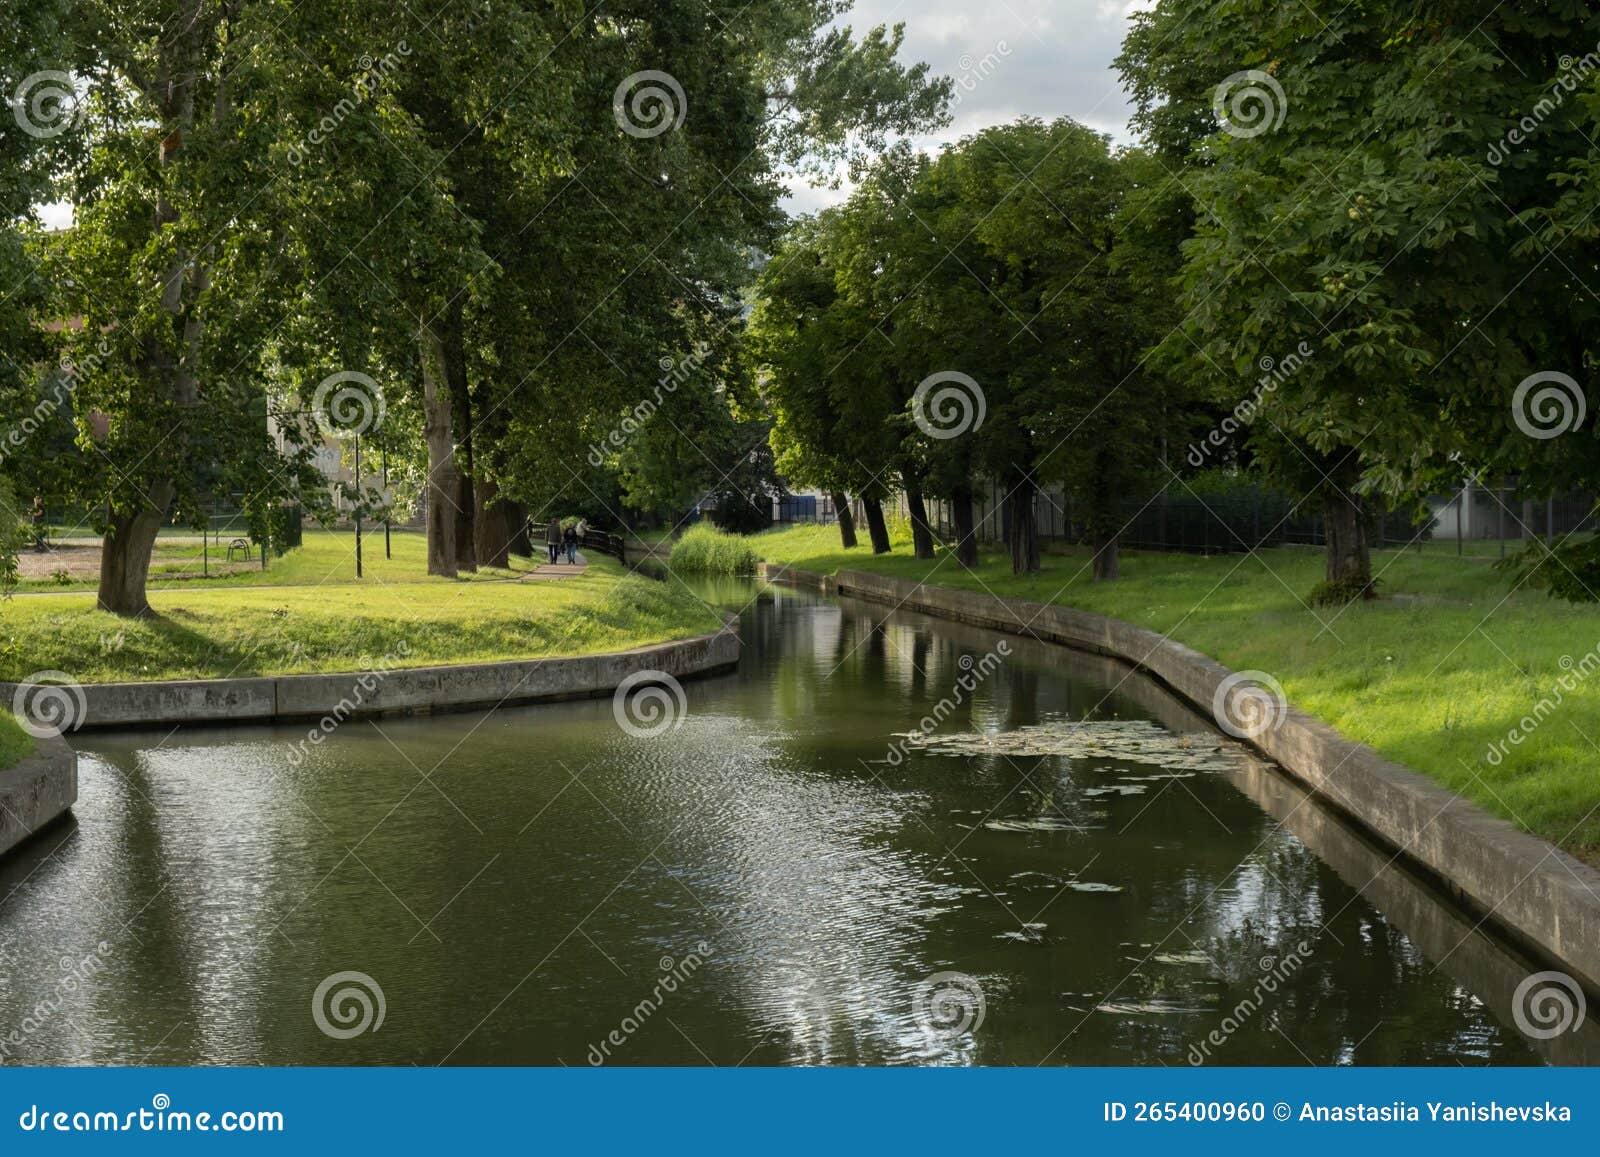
<point>1475,520</point>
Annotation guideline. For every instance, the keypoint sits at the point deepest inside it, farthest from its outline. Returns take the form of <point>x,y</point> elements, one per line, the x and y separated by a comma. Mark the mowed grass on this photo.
<point>1445,665</point>
<point>325,556</point>
<point>205,632</point>
<point>15,743</point>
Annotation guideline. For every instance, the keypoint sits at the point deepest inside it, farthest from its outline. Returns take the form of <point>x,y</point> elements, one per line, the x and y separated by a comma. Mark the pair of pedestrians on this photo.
<point>558,540</point>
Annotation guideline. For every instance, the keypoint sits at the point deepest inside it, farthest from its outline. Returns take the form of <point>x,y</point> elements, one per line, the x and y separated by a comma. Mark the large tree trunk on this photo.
<point>1022,526</point>
<point>125,557</point>
<point>966,527</point>
<point>1105,558</point>
<point>492,531</point>
<point>520,538</point>
<point>964,516</point>
<point>847,519</point>
<point>877,529</point>
<point>131,535</point>
<point>921,532</point>
<point>1349,563</point>
<point>441,485</point>
<point>466,511</point>
<point>1105,515</point>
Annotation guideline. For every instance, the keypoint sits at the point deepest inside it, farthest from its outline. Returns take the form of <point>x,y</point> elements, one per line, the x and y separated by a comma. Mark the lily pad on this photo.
<point>1127,740</point>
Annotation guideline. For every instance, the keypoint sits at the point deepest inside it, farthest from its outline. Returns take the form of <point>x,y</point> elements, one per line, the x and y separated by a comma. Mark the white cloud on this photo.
<point>1056,61</point>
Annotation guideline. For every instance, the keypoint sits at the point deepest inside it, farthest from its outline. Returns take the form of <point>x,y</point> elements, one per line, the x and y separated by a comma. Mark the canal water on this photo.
<point>780,875</point>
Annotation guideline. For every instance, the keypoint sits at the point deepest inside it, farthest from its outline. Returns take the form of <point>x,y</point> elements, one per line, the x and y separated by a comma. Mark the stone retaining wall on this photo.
<point>398,691</point>
<point>37,790</point>
<point>1527,886</point>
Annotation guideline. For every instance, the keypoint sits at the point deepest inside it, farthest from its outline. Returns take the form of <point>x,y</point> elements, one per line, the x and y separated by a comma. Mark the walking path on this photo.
<point>557,570</point>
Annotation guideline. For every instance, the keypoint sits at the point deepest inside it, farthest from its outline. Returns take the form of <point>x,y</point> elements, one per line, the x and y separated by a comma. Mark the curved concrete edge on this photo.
<point>1533,890</point>
<point>37,790</point>
<point>395,690</point>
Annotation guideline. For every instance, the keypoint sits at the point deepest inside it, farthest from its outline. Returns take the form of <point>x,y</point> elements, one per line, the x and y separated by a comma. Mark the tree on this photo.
<point>1348,201</point>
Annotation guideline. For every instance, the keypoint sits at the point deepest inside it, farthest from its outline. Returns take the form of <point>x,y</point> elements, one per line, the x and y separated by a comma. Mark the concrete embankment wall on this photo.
<point>36,791</point>
<point>397,691</point>
<point>1527,886</point>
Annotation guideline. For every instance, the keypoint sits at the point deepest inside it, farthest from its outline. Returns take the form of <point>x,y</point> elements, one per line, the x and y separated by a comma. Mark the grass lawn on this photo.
<point>328,622</point>
<point>325,556</point>
<point>15,743</point>
<point>1444,665</point>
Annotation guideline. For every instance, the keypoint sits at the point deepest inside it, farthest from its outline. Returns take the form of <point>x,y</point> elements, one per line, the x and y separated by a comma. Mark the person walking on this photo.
<point>571,538</point>
<point>552,539</point>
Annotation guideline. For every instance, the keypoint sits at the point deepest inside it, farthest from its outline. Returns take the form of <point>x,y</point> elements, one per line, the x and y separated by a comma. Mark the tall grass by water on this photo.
<point>705,550</point>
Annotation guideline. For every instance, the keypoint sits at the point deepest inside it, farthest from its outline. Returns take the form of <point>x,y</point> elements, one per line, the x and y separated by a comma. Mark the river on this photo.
<point>773,878</point>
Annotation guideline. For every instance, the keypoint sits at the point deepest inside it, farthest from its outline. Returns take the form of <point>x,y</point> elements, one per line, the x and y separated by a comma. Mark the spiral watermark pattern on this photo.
<point>349,402</point>
<point>1249,704</point>
<point>649,103</point>
<point>348,1004</point>
<point>1250,103</point>
<point>1548,404</point>
<point>649,703</point>
<point>948,404</point>
<point>48,703</point>
<point>1547,1004</point>
<point>949,1004</point>
<point>46,105</point>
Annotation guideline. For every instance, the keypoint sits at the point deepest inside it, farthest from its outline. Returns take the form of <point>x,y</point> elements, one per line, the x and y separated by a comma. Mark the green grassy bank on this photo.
<point>333,623</point>
<point>1432,675</point>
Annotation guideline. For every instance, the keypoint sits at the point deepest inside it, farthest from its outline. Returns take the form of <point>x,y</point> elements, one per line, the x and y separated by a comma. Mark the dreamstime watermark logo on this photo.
<point>373,73</point>
<point>1274,972</point>
<point>362,687</point>
<point>649,703</point>
<point>1548,404</point>
<point>673,973</point>
<point>674,372</point>
<point>973,673</point>
<point>649,103</point>
<point>347,1004</point>
<point>1574,75</point>
<point>1250,103</point>
<point>1576,672</point>
<point>46,105</point>
<point>1547,1004</point>
<point>949,1004</point>
<point>975,72</point>
<point>948,404</point>
<point>48,703</point>
<point>74,975</point>
<point>348,402</point>
<point>1248,704</point>
<point>1273,374</point>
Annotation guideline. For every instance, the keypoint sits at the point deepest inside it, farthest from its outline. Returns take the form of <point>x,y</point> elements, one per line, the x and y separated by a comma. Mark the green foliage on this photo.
<point>706,550</point>
<point>1568,570</point>
<point>14,534</point>
<point>1379,225</point>
<point>1035,300</point>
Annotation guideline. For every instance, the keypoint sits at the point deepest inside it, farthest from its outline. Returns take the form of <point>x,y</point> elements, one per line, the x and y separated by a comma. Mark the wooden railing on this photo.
<point>603,543</point>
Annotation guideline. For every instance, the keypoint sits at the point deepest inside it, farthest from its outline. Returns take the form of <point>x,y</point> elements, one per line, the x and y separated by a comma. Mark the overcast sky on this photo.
<point>1010,58</point>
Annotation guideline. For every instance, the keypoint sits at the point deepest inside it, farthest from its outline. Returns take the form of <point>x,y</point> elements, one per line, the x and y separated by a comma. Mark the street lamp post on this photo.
<point>358,506</point>
<point>387,553</point>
